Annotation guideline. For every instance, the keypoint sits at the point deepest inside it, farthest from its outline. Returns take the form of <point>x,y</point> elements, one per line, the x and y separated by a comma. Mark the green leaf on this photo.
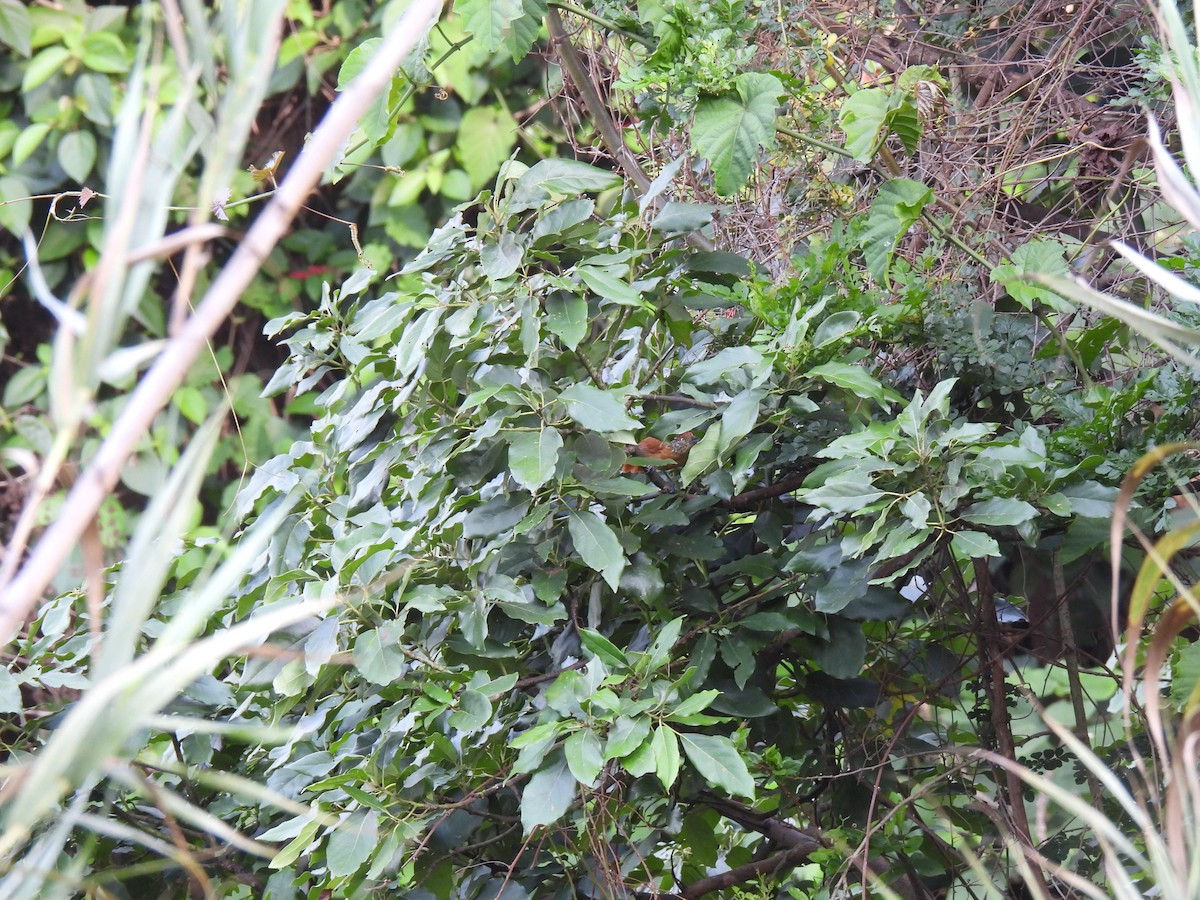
<point>974,544</point>
<point>1036,257</point>
<point>356,60</point>
<point>474,711</point>
<point>855,379</point>
<point>843,655</point>
<point>499,259</point>
<point>548,795</point>
<point>44,66</point>
<point>868,115</point>
<point>676,217</point>
<point>1000,511</point>
<point>835,327</point>
<point>698,702</point>
<point>489,21</point>
<point>567,317</point>
<point>739,418</point>
<point>532,456</point>
<point>563,177</point>
<point>104,52</point>
<point>495,516</point>
<point>641,761</point>
<point>10,689</point>
<point>486,136</point>
<point>77,155</point>
<point>582,750</point>
<point>603,649</point>
<point>664,747</point>
<point>894,210</point>
<point>352,843</point>
<point>848,494</point>
<point>526,29</point>
<point>704,455</point>
<point>625,736</point>
<point>15,212</point>
<point>660,651</point>
<point>28,141</point>
<point>191,403</point>
<point>597,545</point>
<point>718,761</point>
<point>300,844</point>
<point>606,283</point>
<point>730,130</point>
<point>15,26</point>
<point>562,217</point>
<point>377,654</point>
<point>602,411</point>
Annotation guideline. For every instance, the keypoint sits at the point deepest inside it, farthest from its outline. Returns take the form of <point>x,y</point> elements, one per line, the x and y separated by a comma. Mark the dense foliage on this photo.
<point>724,511</point>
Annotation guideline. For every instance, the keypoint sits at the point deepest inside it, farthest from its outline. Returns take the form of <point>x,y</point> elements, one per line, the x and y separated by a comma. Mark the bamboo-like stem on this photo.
<point>169,371</point>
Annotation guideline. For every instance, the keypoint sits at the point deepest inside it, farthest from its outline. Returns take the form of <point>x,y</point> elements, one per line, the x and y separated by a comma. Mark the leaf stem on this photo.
<point>603,23</point>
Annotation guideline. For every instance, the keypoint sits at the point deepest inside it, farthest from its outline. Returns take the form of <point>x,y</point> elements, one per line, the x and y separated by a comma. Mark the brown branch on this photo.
<point>782,861</point>
<point>747,499</point>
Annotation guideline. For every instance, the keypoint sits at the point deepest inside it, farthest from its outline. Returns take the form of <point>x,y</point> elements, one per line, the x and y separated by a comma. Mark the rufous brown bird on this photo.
<point>673,452</point>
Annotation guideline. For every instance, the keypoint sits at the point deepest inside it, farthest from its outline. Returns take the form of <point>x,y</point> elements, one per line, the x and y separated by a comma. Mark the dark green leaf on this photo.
<point>1000,511</point>
<point>567,317</point>
<point>895,208</point>
<point>677,217</point>
<point>474,711</point>
<point>718,761</point>
<point>604,649</point>
<point>351,843</point>
<point>664,747</point>
<point>548,794</point>
<point>597,545</point>
<point>533,455</point>
<point>489,21</point>
<point>495,516</point>
<point>582,750</point>
<point>732,129</point>
<point>974,544</point>
<point>599,410</point>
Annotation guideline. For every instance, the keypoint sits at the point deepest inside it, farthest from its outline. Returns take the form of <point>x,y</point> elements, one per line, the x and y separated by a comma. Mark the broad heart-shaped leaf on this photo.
<point>351,844</point>
<point>897,205</point>
<point>486,136</point>
<point>525,29</point>
<point>1036,257</point>
<point>868,115</point>
<point>596,544</point>
<point>489,21</point>
<point>532,456</point>
<point>718,761</point>
<point>602,411</point>
<point>729,130</point>
<point>548,794</point>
